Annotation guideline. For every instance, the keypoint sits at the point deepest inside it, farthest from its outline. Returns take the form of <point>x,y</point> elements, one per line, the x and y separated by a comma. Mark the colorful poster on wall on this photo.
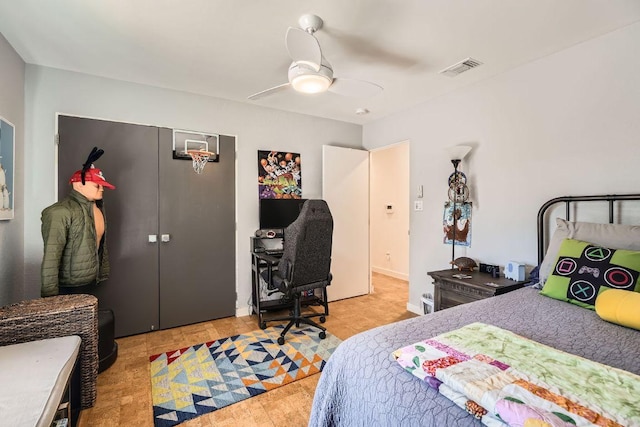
<point>279,175</point>
<point>7,163</point>
<point>462,223</point>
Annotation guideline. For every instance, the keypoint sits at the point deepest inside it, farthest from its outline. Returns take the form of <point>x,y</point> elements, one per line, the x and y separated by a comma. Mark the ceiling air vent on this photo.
<point>461,67</point>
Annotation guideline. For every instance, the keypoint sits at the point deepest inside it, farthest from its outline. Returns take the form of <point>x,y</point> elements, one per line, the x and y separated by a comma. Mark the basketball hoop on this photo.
<point>200,158</point>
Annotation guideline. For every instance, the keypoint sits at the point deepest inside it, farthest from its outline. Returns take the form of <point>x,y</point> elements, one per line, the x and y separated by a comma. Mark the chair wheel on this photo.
<point>323,319</point>
<point>263,325</point>
<point>280,340</point>
<point>322,335</point>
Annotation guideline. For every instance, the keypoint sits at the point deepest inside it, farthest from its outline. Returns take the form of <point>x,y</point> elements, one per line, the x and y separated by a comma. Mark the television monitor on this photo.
<point>279,213</point>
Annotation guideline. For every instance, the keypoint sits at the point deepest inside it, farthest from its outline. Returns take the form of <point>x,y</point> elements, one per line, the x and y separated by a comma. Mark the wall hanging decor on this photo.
<point>457,226</point>
<point>7,168</point>
<point>279,175</point>
<point>457,211</point>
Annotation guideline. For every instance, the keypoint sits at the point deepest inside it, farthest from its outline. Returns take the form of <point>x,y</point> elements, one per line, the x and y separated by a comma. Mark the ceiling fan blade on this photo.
<point>268,92</point>
<point>355,88</point>
<point>303,48</point>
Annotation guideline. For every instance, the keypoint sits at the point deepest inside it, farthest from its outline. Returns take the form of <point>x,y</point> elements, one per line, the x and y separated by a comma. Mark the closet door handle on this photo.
<point>153,238</point>
<point>165,238</point>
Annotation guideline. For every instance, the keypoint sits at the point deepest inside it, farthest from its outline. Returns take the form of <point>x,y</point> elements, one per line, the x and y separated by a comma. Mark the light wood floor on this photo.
<point>124,390</point>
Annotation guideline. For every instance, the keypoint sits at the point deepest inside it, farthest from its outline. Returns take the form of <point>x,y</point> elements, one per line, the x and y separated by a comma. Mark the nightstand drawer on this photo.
<point>451,291</point>
<point>451,296</point>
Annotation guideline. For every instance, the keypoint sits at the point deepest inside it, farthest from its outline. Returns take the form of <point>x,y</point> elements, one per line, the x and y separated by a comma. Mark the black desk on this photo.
<point>261,261</point>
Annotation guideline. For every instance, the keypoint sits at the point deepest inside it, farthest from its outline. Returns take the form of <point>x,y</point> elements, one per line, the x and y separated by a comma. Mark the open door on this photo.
<point>345,187</point>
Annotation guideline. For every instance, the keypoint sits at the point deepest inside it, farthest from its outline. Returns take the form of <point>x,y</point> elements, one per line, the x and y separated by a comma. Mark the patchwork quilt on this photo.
<point>505,379</point>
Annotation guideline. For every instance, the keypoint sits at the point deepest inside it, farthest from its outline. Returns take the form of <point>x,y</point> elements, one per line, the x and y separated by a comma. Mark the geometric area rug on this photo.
<point>196,380</point>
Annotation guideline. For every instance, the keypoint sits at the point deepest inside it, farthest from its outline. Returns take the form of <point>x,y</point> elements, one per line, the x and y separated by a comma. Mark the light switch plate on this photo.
<point>417,205</point>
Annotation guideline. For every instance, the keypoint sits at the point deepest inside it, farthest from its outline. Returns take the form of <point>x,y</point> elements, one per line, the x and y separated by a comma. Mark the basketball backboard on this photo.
<point>184,141</point>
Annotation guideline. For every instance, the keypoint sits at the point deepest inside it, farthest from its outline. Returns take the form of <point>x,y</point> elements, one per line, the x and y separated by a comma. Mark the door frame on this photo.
<point>370,210</point>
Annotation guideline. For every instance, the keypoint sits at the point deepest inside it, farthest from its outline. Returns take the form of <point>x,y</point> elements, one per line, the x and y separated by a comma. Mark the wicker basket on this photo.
<point>54,317</point>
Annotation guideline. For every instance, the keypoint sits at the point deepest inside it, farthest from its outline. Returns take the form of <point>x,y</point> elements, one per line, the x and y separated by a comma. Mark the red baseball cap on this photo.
<point>92,175</point>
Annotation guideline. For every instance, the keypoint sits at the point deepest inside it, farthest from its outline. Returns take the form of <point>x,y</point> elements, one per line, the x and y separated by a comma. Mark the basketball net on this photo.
<point>199,158</point>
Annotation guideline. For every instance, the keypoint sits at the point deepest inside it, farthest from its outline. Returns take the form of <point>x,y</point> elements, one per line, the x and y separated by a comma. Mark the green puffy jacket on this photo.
<point>70,255</point>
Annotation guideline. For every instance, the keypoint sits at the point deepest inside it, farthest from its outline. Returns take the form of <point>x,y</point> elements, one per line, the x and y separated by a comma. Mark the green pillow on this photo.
<point>583,270</point>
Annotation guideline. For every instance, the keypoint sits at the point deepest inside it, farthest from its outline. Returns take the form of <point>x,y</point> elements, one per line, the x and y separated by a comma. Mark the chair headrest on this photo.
<point>315,207</point>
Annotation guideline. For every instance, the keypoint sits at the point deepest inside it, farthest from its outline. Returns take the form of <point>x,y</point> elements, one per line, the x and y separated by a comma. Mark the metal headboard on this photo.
<point>567,200</point>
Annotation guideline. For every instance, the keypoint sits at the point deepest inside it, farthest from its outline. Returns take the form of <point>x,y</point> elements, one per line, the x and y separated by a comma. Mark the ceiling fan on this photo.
<point>310,72</point>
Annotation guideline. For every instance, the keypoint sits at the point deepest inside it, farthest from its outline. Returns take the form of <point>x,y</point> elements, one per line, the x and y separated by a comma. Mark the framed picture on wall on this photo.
<point>462,223</point>
<point>7,167</point>
<point>279,175</point>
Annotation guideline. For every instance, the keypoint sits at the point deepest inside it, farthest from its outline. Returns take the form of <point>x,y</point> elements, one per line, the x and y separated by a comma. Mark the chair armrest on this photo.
<point>271,262</point>
<point>270,259</point>
<point>54,317</point>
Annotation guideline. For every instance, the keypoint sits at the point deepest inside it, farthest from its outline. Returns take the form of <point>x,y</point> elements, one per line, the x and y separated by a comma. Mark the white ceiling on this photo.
<point>233,48</point>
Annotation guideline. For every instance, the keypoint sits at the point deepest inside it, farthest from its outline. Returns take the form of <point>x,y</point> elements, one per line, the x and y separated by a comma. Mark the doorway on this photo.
<point>390,210</point>
<point>368,193</point>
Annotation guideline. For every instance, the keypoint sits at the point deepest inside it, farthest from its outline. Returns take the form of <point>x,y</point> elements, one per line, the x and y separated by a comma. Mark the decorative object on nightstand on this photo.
<point>491,269</point>
<point>514,270</point>
<point>464,263</point>
<point>451,290</point>
<point>458,194</point>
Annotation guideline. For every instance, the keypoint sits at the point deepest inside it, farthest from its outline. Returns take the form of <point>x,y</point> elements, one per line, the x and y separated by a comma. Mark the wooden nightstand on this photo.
<point>451,291</point>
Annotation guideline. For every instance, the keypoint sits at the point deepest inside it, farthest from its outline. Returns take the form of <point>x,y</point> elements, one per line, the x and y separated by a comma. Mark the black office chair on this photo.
<point>305,264</point>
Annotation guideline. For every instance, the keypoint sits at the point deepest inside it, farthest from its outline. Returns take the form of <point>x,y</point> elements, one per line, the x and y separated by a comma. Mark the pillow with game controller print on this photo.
<point>583,270</point>
<point>616,236</point>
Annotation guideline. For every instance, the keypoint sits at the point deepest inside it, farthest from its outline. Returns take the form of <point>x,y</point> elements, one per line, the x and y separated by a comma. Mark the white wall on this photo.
<point>49,91</point>
<point>567,124</point>
<point>11,237</point>
<point>390,231</point>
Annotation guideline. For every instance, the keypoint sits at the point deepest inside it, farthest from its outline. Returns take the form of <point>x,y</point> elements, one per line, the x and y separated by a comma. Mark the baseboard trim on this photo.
<point>414,309</point>
<point>390,273</point>
<point>243,311</point>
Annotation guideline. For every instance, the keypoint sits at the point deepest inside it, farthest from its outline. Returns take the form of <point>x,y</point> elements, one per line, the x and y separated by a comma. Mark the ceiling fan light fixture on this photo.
<point>310,83</point>
<point>306,80</point>
<point>310,72</point>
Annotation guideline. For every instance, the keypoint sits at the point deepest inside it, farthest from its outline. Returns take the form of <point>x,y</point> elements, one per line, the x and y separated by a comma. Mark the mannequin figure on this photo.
<point>75,257</point>
<point>74,233</point>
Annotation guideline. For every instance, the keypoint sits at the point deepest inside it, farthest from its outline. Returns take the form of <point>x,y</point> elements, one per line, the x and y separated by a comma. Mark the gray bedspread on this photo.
<point>362,385</point>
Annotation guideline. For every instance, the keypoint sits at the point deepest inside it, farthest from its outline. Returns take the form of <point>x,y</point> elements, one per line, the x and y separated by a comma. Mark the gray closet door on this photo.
<point>130,162</point>
<point>197,264</point>
<point>191,277</point>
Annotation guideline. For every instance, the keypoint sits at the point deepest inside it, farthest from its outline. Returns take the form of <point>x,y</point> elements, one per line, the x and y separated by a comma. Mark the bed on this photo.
<point>362,384</point>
